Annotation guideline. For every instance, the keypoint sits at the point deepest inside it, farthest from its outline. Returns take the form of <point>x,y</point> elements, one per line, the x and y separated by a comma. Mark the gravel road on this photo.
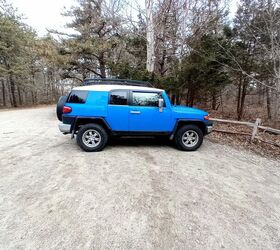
<point>132,195</point>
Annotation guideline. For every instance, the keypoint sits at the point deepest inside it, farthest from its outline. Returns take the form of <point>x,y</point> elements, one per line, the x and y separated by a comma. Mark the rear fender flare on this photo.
<point>86,120</point>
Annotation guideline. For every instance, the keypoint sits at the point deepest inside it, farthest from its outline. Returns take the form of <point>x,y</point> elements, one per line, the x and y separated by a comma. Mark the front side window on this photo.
<point>145,99</point>
<point>118,97</point>
<point>77,96</point>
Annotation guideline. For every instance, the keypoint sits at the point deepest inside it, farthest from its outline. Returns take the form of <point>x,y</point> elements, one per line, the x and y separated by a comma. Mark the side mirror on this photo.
<point>160,104</point>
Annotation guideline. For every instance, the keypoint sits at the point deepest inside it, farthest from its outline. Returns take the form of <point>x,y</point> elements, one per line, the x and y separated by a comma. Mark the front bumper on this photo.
<point>209,129</point>
<point>64,128</point>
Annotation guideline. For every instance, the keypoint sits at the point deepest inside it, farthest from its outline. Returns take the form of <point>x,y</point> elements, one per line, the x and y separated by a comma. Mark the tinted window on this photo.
<point>77,96</point>
<point>145,99</point>
<point>118,97</point>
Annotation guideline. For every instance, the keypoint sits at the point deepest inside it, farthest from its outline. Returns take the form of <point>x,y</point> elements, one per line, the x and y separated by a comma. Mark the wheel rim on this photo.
<point>91,138</point>
<point>190,138</point>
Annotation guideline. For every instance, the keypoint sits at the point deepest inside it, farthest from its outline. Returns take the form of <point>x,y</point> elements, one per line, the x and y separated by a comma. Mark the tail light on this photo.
<point>67,110</point>
<point>206,117</point>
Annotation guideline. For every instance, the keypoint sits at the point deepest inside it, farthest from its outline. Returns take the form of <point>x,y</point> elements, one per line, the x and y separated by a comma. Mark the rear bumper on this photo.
<point>64,128</point>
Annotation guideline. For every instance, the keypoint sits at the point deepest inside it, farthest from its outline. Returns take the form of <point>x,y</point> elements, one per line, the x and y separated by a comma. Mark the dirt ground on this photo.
<point>133,195</point>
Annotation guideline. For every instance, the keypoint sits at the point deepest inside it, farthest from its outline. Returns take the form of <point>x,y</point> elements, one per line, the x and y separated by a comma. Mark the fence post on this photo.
<point>255,129</point>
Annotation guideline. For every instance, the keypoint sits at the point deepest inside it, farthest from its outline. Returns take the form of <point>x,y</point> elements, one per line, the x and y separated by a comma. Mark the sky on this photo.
<point>46,14</point>
<point>43,14</point>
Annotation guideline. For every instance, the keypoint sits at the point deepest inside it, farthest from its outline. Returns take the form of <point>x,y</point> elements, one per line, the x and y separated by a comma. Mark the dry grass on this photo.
<point>250,114</point>
<point>243,141</point>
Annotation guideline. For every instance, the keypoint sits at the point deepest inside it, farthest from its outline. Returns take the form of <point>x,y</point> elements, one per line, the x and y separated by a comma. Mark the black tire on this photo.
<point>192,144</point>
<point>59,107</point>
<point>85,130</point>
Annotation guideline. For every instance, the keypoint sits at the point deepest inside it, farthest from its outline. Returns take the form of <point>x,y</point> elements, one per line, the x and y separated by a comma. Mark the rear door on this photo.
<point>118,110</point>
<point>145,115</point>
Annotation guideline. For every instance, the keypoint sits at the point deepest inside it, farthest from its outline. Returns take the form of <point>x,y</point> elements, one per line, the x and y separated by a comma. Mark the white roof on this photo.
<point>109,87</point>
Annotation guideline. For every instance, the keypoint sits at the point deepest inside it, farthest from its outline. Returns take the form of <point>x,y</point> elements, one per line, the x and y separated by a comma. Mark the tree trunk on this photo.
<point>222,102</point>
<point>191,97</point>
<point>26,99</point>
<point>13,90</point>
<point>33,97</point>
<point>33,91</point>
<point>188,98</point>
<point>52,85</point>
<point>214,100</point>
<point>4,93</point>
<point>150,64</point>
<point>46,88</point>
<point>19,96</point>
<point>277,107</point>
<point>102,67</point>
<point>162,63</point>
<point>178,99</point>
<point>242,101</point>
<point>173,98</point>
<point>239,95</point>
<point>260,93</point>
<point>268,103</point>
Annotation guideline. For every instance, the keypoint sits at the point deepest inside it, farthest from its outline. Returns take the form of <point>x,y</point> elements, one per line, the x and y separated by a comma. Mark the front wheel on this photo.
<point>189,138</point>
<point>92,137</point>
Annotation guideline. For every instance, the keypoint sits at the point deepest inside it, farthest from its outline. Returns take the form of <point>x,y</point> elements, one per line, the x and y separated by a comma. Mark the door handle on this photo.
<point>135,112</point>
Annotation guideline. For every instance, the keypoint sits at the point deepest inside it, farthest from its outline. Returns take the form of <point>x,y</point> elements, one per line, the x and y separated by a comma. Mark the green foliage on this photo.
<point>202,72</point>
<point>95,39</point>
<point>194,65</point>
<point>28,64</point>
<point>16,41</point>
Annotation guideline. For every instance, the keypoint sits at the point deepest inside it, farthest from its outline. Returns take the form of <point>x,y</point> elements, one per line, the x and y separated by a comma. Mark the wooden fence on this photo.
<point>255,127</point>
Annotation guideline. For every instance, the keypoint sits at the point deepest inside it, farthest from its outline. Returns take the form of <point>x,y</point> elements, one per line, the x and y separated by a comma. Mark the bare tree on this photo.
<point>150,36</point>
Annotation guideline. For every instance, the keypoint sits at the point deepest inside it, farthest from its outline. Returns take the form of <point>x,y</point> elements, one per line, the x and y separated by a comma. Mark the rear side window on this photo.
<point>118,97</point>
<point>145,99</point>
<point>78,96</point>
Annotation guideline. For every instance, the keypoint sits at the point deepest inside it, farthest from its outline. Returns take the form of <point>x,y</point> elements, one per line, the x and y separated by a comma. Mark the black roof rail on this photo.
<point>109,81</point>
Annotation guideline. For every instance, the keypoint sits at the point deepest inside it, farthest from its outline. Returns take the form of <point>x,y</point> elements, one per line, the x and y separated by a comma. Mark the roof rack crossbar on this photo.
<point>96,81</point>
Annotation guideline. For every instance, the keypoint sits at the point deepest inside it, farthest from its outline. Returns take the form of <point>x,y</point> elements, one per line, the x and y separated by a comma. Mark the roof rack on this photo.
<point>110,81</point>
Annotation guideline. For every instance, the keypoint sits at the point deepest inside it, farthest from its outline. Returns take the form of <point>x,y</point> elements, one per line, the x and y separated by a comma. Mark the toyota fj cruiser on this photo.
<point>114,107</point>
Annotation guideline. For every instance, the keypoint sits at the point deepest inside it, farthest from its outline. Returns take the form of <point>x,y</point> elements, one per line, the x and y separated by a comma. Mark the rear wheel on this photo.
<point>189,138</point>
<point>92,137</point>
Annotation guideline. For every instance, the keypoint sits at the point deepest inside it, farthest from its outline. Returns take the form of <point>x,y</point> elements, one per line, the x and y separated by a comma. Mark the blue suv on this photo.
<point>105,108</point>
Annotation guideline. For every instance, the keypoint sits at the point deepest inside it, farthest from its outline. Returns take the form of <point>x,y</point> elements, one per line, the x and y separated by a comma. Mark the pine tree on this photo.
<point>96,36</point>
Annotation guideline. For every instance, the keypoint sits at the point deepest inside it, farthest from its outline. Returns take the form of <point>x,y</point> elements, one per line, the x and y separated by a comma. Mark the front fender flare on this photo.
<point>202,124</point>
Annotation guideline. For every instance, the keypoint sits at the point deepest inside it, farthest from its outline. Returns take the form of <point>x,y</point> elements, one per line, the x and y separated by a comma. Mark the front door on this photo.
<point>118,110</point>
<point>144,113</point>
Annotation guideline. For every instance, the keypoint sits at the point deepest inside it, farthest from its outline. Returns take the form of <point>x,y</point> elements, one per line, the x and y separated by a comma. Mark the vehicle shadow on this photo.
<point>140,141</point>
